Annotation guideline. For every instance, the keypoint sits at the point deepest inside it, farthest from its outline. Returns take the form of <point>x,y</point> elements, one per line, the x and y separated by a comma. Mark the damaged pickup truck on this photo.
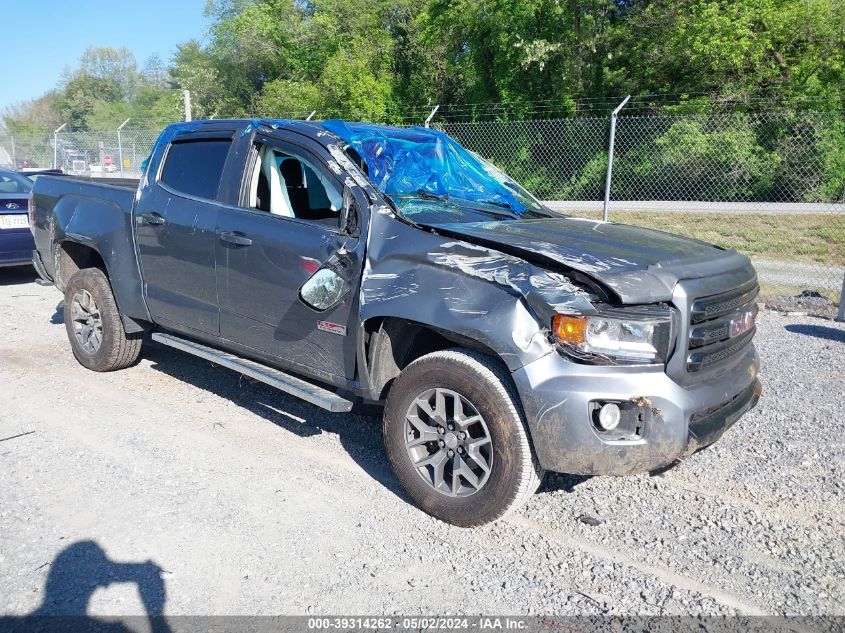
<point>346,261</point>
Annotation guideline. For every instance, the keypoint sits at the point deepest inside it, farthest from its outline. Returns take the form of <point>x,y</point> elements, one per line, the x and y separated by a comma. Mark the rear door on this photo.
<point>284,229</point>
<point>175,222</point>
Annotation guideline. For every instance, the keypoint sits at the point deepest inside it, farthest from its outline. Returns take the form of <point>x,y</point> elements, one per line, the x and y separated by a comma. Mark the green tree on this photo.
<point>743,48</point>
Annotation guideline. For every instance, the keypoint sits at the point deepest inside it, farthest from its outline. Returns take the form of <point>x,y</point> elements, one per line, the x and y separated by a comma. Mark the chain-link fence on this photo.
<point>117,153</point>
<point>771,185</point>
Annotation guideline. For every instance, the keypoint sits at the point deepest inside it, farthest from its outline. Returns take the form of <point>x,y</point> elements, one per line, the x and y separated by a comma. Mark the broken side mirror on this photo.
<point>350,213</point>
<point>324,289</point>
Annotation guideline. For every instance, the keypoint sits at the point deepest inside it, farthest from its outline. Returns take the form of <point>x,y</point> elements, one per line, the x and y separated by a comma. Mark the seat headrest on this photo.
<point>291,170</point>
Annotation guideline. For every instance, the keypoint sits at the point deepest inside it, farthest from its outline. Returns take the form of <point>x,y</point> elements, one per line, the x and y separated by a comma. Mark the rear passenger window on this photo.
<point>195,167</point>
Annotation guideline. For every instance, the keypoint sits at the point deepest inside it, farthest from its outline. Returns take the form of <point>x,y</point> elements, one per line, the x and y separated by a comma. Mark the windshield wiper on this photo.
<point>507,210</point>
<point>497,203</point>
<point>420,193</point>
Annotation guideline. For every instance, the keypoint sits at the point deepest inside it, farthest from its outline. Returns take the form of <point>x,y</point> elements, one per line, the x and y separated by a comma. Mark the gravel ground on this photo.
<point>205,492</point>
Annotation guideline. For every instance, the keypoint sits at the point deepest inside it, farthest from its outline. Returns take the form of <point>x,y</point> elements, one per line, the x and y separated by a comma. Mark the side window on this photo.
<point>288,184</point>
<point>195,166</point>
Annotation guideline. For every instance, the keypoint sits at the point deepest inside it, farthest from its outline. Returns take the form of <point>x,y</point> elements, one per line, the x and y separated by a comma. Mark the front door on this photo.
<point>175,224</point>
<point>284,231</point>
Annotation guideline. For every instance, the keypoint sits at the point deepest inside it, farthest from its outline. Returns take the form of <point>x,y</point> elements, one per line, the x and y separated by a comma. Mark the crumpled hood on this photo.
<point>639,265</point>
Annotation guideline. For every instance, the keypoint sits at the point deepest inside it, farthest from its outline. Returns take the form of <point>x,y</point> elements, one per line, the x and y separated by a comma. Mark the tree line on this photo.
<point>747,75</point>
<point>392,60</point>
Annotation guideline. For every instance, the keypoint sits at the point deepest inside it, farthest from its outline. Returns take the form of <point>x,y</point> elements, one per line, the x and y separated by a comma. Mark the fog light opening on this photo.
<point>609,416</point>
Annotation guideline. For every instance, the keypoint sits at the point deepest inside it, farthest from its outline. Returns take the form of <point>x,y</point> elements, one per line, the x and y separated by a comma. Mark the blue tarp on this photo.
<point>404,161</point>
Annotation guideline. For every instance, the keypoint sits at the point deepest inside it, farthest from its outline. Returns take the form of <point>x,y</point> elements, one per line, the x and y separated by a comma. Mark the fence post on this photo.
<point>120,146</point>
<point>841,315</point>
<point>14,158</point>
<point>431,116</point>
<point>613,118</point>
<point>313,112</point>
<point>56,144</point>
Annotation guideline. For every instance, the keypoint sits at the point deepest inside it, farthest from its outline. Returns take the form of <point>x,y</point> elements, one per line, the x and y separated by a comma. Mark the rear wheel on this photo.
<point>457,440</point>
<point>93,323</point>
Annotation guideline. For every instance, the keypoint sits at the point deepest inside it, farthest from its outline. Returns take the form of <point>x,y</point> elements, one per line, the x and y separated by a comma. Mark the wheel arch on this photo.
<point>71,256</point>
<point>392,343</point>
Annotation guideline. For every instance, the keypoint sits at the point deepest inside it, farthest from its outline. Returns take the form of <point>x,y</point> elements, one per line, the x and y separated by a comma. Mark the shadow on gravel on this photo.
<point>359,431</point>
<point>817,331</point>
<point>554,482</point>
<point>58,317</point>
<point>17,275</point>
<point>75,574</point>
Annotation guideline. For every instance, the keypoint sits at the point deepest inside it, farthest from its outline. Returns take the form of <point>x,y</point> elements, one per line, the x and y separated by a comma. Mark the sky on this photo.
<point>42,37</point>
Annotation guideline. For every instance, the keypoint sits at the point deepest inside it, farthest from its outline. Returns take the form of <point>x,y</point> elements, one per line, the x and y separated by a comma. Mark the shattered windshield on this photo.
<point>448,180</point>
<point>431,210</point>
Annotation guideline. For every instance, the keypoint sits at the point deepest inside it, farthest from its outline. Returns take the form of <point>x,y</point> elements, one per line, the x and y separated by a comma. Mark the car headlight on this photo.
<point>611,337</point>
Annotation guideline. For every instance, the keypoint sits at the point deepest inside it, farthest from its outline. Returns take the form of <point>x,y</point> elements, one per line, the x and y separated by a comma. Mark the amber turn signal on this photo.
<point>570,329</point>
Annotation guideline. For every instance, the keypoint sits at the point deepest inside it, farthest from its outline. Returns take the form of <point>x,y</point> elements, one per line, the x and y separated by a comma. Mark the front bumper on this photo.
<point>673,421</point>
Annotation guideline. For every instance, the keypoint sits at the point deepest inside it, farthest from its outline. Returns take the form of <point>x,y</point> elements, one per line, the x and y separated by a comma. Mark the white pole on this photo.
<point>186,98</point>
<point>14,158</point>
<point>431,116</point>
<point>120,146</point>
<point>613,118</point>
<point>56,144</point>
<point>841,315</point>
<point>308,118</point>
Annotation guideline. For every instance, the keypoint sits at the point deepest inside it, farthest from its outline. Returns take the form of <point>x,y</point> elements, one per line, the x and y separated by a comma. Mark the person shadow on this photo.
<point>75,574</point>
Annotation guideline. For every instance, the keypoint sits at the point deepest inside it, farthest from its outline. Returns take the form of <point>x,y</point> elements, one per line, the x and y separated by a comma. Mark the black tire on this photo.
<point>514,474</point>
<point>116,348</point>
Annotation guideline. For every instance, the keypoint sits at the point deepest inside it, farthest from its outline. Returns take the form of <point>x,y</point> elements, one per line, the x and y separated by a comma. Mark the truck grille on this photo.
<point>721,326</point>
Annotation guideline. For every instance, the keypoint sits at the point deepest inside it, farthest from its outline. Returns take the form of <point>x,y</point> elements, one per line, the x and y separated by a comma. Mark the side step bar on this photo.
<point>297,387</point>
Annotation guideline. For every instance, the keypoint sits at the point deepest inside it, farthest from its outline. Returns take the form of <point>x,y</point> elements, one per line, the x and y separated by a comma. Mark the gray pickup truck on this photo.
<point>344,262</point>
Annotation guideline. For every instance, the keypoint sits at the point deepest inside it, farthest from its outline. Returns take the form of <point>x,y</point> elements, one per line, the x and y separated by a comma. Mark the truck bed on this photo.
<point>95,212</point>
<point>129,183</point>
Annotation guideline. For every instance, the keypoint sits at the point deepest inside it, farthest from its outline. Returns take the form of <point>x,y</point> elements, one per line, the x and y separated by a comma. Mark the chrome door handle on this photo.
<point>234,237</point>
<point>153,218</point>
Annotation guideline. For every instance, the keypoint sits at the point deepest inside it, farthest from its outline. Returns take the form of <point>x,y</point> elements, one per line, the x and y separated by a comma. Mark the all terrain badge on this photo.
<point>334,328</point>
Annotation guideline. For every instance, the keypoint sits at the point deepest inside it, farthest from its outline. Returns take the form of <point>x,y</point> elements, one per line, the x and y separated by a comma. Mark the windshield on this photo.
<point>11,182</point>
<point>431,210</point>
<point>422,163</point>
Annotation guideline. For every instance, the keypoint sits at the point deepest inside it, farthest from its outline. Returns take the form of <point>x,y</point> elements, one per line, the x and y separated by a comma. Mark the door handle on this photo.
<point>153,218</point>
<point>235,238</point>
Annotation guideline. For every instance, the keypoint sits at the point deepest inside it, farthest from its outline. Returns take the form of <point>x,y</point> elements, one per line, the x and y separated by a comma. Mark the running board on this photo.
<point>297,387</point>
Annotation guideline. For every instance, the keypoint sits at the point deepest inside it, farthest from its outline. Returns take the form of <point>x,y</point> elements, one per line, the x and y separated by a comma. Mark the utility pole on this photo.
<point>613,118</point>
<point>186,98</point>
<point>56,144</point>
<point>120,146</point>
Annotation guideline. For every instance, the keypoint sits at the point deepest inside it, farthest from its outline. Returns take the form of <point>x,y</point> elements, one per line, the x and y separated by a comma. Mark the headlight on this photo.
<point>609,337</point>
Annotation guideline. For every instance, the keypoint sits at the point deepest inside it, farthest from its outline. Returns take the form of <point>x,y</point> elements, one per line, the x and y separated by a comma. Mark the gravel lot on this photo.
<point>209,493</point>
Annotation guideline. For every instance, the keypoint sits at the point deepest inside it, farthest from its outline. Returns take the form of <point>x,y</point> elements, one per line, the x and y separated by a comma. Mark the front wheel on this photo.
<point>456,438</point>
<point>93,323</point>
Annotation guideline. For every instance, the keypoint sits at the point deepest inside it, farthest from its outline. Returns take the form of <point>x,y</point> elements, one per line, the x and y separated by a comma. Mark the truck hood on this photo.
<point>639,265</point>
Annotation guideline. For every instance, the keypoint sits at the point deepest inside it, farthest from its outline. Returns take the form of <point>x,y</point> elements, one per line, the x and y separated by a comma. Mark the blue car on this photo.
<point>16,243</point>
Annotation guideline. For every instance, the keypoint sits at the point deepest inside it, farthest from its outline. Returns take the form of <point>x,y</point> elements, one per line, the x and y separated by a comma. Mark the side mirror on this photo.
<point>350,213</point>
<point>324,290</point>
